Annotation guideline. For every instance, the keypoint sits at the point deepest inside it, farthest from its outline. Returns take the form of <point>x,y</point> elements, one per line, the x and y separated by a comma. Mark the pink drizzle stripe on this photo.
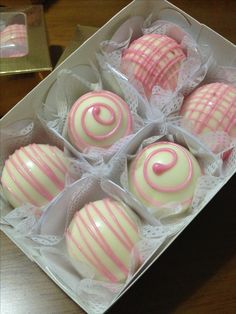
<point>199,126</point>
<point>172,78</point>
<point>96,263</point>
<point>165,46</point>
<point>109,134</point>
<point>60,159</point>
<point>98,237</point>
<point>212,108</point>
<point>58,163</point>
<point>23,170</point>
<point>18,199</point>
<point>82,99</point>
<point>205,115</point>
<point>78,140</point>
<point>150,71</point>
<point>40,163</point>
<point>125,216</point>
<point>96,111</point>
<point>169,189</point>
<point>130,244</point>
<point>97,260</point>
<point>167,68</point>
<point>126,244</point>
<point>18,185</point>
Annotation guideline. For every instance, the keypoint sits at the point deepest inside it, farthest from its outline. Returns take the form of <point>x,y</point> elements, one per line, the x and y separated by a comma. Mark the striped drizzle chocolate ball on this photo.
<point>102,235</point>
<point>152,60</point>
<point>34,174</point>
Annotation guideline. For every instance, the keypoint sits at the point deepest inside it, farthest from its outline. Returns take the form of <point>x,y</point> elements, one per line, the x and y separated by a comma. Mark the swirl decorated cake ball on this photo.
<point>164,172</point>
<point>98,118</point>
<point>34,174</point>
<point>152,60</point>
<point>211,108</point>
<point>102,235</point>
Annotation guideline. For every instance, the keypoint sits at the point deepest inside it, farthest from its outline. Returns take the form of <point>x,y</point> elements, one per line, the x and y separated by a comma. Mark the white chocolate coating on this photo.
<point>98,118</point>
<point>102,235</point>
<point>34,174</point>
<point>164,172</point>
<point>152,60</point>
<point>211,108</point>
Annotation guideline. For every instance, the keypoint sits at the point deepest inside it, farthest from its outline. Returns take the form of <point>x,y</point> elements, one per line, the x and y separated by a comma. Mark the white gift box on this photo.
<point>84,55</point>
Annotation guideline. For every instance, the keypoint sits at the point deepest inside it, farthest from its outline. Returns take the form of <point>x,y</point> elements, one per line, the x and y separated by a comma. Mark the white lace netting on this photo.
<point>193,70</point>
<point>14,136</point>
<point>47,234</point>
<point>217,144</point>
<point>53,113</point>
<point>214,169</point>
<point>93,295</point>
<point>42,229</point>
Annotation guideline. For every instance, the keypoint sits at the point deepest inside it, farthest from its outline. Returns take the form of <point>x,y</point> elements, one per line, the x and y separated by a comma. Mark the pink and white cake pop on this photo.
<point>162,173</point>
<point>98,118</point>
<point>152,60</point>
<point>34,174</point>
<point>13,41</point>
<point>211,108</point>
<point>102,235</point>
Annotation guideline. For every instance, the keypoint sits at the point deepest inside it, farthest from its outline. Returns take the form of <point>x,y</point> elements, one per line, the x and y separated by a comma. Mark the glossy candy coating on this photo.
<point>210,108</point>
<point>152,60</point>
<point>164,172</point>
<point>100,119</point>
<point>34,174</point>
<point>102,235</point>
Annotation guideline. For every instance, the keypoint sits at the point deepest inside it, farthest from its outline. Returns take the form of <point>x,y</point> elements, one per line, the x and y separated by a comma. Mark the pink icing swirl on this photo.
<point>96,112</point>
<point>159,169</point>
<point>110,114</point>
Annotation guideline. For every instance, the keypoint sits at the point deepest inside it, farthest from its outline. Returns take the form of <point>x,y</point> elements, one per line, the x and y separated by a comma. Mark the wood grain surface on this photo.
<point>197,274</point>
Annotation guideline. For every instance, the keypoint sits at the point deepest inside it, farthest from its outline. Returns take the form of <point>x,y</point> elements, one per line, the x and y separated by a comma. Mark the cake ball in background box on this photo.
<point>34,174</point>
<point>162,173</point>
<point>98,118</point>
<point>152,60</point>
<point>13,41</point>
<point>102,235</point>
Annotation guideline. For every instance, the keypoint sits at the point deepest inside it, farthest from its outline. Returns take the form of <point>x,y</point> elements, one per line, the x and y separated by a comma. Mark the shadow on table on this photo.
<point>55,54</point>
<point>204,247</point>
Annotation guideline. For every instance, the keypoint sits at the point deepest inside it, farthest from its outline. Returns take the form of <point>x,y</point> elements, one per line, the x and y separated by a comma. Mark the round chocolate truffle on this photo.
<point>34,174</point>
<point>211,108</point>
<point>164,172</point>
<point>100,119</point>
<point>152,60</point>
<point>102,235</point>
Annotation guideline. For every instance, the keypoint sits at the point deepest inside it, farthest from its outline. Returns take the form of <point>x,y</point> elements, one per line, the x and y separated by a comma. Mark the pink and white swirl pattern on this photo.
<point>34,174</point>
<point>152,60</point>
<point>103,234</point>
<point>164,172</point>
<point>98,118</point>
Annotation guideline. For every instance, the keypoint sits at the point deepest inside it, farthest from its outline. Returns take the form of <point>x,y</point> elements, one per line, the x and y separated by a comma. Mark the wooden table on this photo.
<point>197,274</point>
